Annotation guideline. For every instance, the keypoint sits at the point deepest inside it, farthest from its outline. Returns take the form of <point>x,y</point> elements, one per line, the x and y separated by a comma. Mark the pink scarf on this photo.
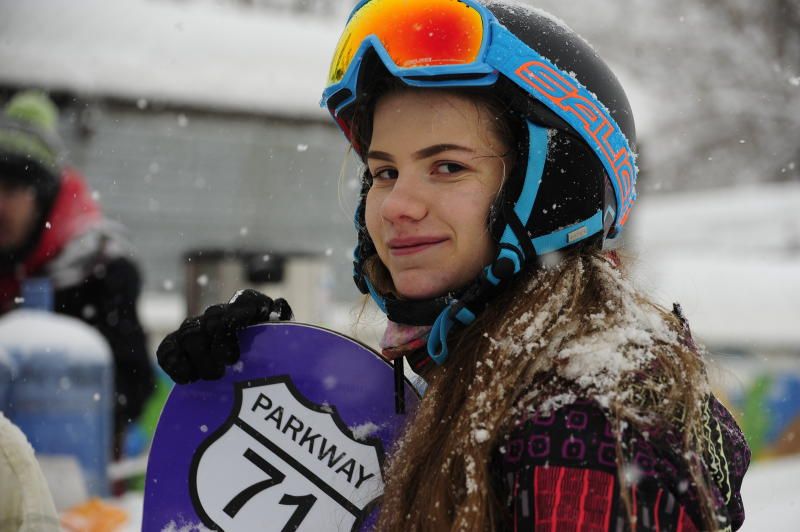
<point>399,340</point>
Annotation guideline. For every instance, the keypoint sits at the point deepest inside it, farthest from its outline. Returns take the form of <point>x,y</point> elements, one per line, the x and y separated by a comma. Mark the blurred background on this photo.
<point>197,126</point>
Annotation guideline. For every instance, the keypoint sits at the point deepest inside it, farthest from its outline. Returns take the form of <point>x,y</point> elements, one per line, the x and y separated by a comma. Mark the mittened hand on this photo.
<point>204,345</point>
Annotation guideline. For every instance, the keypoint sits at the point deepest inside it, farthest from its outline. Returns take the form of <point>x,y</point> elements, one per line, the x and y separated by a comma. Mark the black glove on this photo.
<point>204,345</point>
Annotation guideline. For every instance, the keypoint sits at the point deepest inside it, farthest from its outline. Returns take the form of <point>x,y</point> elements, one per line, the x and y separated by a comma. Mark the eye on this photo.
<point>384,174</point>
<point>448,168</point>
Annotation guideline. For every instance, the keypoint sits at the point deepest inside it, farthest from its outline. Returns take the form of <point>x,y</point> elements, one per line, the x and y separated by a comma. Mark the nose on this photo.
<point>405,201</point>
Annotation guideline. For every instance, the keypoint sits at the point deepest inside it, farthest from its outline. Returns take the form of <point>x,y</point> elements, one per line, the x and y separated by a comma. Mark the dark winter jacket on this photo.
<point>95,279</point>
<point>559,472</point>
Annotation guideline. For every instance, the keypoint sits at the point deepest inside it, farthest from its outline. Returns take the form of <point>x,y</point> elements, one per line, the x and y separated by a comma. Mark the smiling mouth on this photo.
<point>411,246</point>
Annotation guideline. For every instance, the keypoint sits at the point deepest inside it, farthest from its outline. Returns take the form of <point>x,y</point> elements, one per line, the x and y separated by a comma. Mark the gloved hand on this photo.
<point>204,345</point>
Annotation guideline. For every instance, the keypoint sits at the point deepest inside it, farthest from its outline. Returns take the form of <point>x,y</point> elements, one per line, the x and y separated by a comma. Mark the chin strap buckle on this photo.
<point>437,339</point>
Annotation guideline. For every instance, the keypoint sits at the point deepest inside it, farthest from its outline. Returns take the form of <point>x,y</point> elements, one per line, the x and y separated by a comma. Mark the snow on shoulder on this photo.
<point>596,354</point>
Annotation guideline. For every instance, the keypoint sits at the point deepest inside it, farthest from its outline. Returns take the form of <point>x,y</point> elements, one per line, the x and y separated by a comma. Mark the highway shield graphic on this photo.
<point>299,466</point>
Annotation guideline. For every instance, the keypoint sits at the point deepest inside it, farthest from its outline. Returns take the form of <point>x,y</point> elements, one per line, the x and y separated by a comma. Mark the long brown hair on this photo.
<point>524,352</point>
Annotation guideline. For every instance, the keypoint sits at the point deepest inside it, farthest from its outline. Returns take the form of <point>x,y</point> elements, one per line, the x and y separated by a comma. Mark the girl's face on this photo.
<point>437,167</point>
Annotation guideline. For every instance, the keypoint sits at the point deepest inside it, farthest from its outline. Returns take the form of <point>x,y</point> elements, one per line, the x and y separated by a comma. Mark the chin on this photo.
<point>420,285</point>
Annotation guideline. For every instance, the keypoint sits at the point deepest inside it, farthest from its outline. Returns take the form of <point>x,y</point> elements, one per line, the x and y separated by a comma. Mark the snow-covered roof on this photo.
<point>188,53</point>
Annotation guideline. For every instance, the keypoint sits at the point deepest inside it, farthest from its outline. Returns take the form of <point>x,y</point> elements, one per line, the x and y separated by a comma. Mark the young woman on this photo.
<point>499,170</point>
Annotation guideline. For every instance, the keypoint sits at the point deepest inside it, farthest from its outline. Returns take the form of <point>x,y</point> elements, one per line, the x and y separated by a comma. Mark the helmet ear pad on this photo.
<point>572,187</point>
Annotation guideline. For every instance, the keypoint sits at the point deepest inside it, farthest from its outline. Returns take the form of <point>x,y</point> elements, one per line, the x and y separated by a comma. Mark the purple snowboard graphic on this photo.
<point>291,438</point>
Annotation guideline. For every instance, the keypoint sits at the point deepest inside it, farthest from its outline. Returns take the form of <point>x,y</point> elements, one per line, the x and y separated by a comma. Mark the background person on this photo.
<point>52,227</point>
<point>558,395</point>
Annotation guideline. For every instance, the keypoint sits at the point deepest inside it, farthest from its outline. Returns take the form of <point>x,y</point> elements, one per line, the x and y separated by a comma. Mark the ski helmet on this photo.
<point>575,181</point>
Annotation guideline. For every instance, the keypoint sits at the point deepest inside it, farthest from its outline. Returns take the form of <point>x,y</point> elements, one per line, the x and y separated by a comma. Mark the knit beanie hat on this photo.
<point>30,149</point>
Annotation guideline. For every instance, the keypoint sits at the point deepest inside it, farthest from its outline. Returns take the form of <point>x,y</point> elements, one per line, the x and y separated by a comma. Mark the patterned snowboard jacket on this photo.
<point>559,472</point>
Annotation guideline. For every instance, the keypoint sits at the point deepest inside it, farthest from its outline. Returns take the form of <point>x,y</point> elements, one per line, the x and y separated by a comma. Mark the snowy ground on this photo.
<point>730,257</point>
<point>771,494</point>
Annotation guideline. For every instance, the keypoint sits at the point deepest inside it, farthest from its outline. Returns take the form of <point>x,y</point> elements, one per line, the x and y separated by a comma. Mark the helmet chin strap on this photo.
<point>409,311</point>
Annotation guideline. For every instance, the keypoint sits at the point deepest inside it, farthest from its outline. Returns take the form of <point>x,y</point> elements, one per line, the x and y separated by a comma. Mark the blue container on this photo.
<point>37,293</point>
<point>61,393</point>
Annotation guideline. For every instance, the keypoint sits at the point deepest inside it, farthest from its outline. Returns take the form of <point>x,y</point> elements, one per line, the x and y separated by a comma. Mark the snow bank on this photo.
<point>770,494</point>
<point>731,257</point>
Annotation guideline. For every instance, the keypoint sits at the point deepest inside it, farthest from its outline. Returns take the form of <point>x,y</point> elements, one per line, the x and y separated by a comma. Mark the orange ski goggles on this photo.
<point>413,34</point>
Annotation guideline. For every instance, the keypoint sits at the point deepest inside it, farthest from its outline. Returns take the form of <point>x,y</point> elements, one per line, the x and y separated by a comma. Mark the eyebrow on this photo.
<point>424,153</point>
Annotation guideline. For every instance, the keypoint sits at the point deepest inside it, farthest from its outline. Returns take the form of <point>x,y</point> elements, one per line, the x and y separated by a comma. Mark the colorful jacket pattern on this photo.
<point>559,472</point>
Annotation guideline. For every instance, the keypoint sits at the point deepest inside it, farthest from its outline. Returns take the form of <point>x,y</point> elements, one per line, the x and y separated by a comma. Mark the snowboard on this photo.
<point>293,437</point>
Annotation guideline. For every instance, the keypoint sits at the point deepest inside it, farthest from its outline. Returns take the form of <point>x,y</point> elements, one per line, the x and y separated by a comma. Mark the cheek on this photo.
<point>475,237</point>
<point>372,218</point>
<point>472,211</point>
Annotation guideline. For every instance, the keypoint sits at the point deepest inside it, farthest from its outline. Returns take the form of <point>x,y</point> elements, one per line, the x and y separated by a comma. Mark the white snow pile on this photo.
<point>365,430</point>
<point>480,435</point>
<point>26,333</point>
<point>172,526</point>
<point>770,494</point>
<point>730,256</point>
